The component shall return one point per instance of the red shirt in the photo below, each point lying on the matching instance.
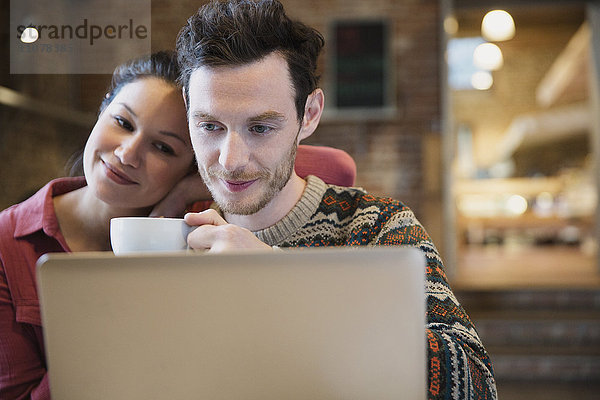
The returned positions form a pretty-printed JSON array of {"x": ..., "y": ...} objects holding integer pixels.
[{"x": 27, "y": 230}]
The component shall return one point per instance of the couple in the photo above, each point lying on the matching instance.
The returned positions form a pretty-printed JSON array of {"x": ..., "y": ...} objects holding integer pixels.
[{"x": 250, "y": 92}]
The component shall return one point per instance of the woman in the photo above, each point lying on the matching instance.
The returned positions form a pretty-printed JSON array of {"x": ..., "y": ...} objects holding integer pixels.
[
  {"x": 137, "y": 155},
  {"x": 137, "y": 151}
]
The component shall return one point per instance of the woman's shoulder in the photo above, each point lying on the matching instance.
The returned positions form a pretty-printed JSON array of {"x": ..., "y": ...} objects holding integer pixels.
[{"x": 32, "y": 208}]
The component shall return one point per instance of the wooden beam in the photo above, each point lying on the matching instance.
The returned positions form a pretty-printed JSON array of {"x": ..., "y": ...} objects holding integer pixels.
[
  {"x": 568, "y": 72},
  {"x": 12, "y": 98},
  {"x": 543, "y": 127}
]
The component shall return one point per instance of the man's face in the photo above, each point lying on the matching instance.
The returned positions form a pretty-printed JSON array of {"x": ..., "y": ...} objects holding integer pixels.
[{"x": 244, "y": 130}]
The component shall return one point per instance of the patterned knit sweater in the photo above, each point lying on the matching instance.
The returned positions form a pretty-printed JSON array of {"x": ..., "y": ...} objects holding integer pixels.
[{"x": 327, "y": 215}]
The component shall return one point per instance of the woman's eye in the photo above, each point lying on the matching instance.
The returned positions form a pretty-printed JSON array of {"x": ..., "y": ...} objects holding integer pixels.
[
  {"x": 165, "y": 148},
  {"x": 261, "y": 129},
  {"x": 123, "y": 123}
]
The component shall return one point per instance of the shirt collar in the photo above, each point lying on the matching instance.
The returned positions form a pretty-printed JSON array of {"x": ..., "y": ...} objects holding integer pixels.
[{"x": 37, "y": 212}]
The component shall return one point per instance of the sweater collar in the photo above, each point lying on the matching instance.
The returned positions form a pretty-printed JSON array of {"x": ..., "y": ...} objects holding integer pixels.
[{"x": 298, "y": 216}]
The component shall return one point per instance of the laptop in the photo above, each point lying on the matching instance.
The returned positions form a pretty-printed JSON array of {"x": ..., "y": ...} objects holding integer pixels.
[{"x": 329, "y": 323}]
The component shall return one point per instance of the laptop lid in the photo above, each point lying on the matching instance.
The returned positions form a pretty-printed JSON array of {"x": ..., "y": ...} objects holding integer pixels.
[{"x": 335, "y": 323}]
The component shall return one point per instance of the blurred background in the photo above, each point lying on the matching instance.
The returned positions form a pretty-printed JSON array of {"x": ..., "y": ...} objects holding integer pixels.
[{"x": 489, "y": 132}]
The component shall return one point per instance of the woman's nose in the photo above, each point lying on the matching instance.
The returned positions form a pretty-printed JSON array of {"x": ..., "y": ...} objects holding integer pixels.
[
  {"x": 129, "y": 151},
  {"x": 234, "y": 152}
]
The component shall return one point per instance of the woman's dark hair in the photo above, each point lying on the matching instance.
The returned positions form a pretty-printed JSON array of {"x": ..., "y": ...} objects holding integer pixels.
[
  {"x": 237, "y": 32},
  {"x": 162, "y": 65}
]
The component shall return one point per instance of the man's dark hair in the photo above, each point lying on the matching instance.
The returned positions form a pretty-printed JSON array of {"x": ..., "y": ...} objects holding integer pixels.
[{"x": 237, "y": 32}]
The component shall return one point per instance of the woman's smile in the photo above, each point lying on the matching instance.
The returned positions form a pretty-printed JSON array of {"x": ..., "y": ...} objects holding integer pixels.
[{"x": 116, "y": 175}]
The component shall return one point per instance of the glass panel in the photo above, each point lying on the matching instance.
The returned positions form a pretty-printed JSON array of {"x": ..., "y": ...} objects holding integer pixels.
[{"x": 524, "y": 191}]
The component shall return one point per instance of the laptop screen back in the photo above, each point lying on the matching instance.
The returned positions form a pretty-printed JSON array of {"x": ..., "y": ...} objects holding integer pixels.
[{"x": 344, "y": 323}]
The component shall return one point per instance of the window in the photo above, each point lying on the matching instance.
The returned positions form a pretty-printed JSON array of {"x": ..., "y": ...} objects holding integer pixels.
[{"x": 361, "y": 65}]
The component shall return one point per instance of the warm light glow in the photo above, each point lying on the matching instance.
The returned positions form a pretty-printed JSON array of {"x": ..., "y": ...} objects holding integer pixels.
[
  {"x": 545, "y": 199},
  {"x": 477, "y": 205},
  {"x": 498, "y": 25},
  {"x": 482, "y": 80},
  {"x": 544, "y": 202},
  {"x": 488, "y": 56},
  {"x": 491, "y": 205},
  {"x": 516, "y": 205},
  {"x": 29, "y": 35},
  {"x": 450, "y": 25}
]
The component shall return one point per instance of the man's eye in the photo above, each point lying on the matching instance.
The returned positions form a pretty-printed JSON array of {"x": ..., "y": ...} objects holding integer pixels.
[
  {"x": 261, "y": 129},
  {"x": 123, "y": 123},
  {"x": 207, "y": 126}
]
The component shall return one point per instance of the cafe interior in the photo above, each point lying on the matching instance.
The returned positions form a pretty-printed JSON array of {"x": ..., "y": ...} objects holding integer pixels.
[{"x": 480, "y": 115}]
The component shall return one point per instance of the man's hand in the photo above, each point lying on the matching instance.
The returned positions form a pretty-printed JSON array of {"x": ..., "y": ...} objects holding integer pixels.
[
  {"x": 187, "y": 191},
  {"x": 217, "y": 235}
]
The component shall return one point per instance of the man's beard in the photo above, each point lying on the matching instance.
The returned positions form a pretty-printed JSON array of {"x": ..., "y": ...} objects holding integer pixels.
[{"x": 275, "y": 180}]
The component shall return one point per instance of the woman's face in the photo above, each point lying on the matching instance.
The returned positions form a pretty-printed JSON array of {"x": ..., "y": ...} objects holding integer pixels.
[{"x": 140, "y": 146}]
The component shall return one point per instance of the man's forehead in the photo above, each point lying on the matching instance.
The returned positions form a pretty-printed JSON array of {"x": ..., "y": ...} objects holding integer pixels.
[
  {"x": 249, "y": 89},
  {"x": 271, "y": 69}
]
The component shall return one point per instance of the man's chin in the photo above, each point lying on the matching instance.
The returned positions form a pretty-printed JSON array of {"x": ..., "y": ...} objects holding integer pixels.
[
  {"x": 241, "y": 207},
  {"x": 238, "y": 209}
]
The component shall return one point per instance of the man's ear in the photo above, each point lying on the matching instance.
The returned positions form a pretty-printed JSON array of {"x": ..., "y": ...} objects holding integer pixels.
[{"x": 312, "y": 113}]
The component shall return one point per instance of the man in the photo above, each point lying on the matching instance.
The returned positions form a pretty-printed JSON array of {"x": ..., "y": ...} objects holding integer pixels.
[{"x": 250, "y": 85}]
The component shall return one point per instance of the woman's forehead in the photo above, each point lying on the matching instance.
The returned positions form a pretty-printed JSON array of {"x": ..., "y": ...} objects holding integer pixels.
[{"x": 141, "y": 87}]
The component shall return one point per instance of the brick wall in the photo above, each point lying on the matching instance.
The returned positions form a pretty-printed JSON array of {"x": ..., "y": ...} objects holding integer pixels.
[{"x": 388, "y": 151}]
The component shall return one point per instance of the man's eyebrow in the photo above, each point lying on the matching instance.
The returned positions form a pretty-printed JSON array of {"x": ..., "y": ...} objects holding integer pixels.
[
  {"x": 203, "y": 116},
  {"x": 269, "y": 116},
  {"x": 128, "y": 109}
]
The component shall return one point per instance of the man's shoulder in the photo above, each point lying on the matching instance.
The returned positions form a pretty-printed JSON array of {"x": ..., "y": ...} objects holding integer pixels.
[
  {"x": 357, "y": 199},
  {"x": 351, "y": 216}
]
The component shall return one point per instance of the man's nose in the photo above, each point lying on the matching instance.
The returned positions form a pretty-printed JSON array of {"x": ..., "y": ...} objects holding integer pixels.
[{"x": 234, "y": 152}]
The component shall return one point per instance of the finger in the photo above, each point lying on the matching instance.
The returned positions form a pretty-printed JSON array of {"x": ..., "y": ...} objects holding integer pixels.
[
  {"x": 202, "y": 238},
  {"x": 210, "y": 217}
]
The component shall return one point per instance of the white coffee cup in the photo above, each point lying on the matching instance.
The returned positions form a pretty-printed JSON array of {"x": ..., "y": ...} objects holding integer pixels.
[{"x": 144, "y": 234}]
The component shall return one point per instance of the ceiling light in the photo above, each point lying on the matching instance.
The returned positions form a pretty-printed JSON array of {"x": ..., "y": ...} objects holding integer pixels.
[
  {"x": 451, "y": 25},
  {"x": 482, "y": 80},
  {"x": 488, "y": 56},
  {"x": 498, "y": 25}
]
